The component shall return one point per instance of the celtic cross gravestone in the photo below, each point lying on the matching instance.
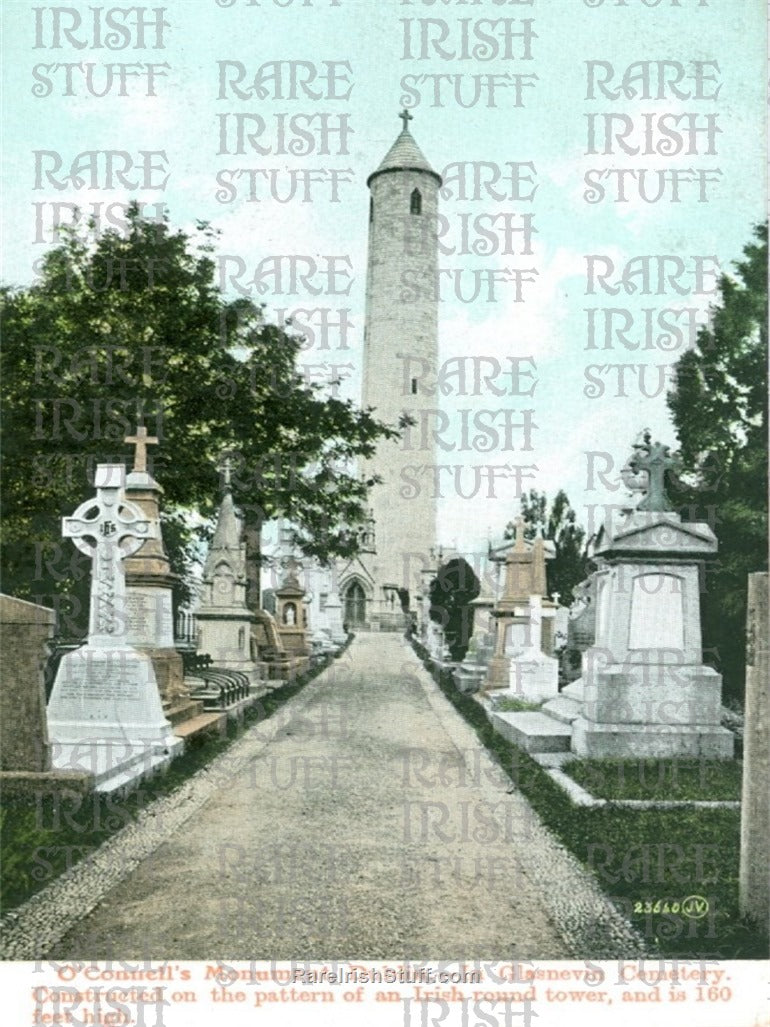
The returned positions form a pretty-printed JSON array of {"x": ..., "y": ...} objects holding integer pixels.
[{"x": 105, "y": 714}]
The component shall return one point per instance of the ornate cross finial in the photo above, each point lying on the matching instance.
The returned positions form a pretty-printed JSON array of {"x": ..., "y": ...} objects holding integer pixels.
[
  {"x": 406, "y": 117},
  {"x": 225, "y": 468},
  {"x": 656, "y": 459},
  {"x": 140, "y": 442}
]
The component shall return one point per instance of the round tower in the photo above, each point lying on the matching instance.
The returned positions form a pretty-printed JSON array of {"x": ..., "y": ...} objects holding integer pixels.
[{"x": 400, "y": 358}]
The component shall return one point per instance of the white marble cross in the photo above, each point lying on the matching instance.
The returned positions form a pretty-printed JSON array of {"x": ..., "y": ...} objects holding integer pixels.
[{"x": 118, "y": 529}]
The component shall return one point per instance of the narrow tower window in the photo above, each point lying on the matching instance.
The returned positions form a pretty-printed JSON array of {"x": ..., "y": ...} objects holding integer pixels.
[
  {"x": 371, "y": 209},
  {"x": 415, "y": 202},
  {"x": 414, "y": 386}
]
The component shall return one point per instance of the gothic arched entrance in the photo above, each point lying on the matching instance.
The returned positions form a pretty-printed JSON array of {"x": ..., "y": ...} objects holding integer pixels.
[{"x": 355, "y": 605}]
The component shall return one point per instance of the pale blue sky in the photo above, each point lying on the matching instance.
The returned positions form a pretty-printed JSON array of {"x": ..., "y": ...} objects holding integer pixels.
[{"x": 550, "y": 131}]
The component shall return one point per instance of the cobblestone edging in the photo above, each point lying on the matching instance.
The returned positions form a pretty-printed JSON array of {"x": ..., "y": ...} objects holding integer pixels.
[{"x": 32, "y": 930}]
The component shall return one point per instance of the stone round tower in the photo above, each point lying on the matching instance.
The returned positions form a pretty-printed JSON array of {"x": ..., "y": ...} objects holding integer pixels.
[{"x": 400, "y": 357}]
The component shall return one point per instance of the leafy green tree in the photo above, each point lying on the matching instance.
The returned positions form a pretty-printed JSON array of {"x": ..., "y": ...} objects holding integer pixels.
[
  {"x": 451, "y": 593},
  {"x": 557, "y": 522},
  {"x": 132, "y": 328},
  {"x": 719, "y": 406}
]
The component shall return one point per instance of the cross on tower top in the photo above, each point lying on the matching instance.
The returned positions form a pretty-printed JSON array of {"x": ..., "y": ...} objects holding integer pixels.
[
  {"x": 656, "y": 459},
  {"x": 406, "y": 117},
  {"x": 140, "y": 442}
]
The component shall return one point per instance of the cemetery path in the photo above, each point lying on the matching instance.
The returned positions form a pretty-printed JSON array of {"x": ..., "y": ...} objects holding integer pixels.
[{"x": 372, "y": 825}]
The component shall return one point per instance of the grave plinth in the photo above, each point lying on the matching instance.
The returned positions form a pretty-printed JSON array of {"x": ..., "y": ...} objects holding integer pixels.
[
  {"x": 646, "y": 691},
  {"x": 25, "y": 629},
  {"x": 533, "y": 674},
  {"x": 227, "y": 628},
  {"x": 525, "y": 579},
  {"x": 105, "y": 715},
  {"x": 291, "y": 615},
  {"x": 334, "y": 623},
  {"x": 149, "y": 585}
]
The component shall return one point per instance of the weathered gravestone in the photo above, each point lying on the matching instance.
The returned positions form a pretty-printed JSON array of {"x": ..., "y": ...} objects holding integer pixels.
[
  {"x": 755, "y": 808},
  {"x": 333, "y": 613},
  {"x": 291, "y": 616},
  {"x": 522, "y": 663},
  {"x": 646, "y": 691},
  {"x": 226, "y": 625},
  {"x": 25, "y": 630},
  {"x": 149, "y": 587},
  {"x": 105, "y": 714},
  {"x": 25, "y": 751}
]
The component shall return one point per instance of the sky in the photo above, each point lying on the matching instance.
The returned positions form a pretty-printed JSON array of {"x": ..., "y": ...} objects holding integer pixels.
[{"x": 699, "y": 66}]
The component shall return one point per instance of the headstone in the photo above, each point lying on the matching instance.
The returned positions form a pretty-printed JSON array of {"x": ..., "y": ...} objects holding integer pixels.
[
  {"x": 533, "y": 675},
  {"x": 290, "y": 613},
  {"x": 434, "y": 640},
  {"x": 518, "y": 622},
  {"x": 25, "y": 751},
  {"x": 334, "y": 619},
  {"x": 26, "y": 630},
  {"x": 275, "y": 662},
  {"x": 646, "y": 691},
  {"x": 149, "y": 586},
  {"x": 754, "y": 878},
  {"x": 471, "y": 673},
  {"x": 226, "y": 625},
  {"x": 581, "y": 628},
  {"x": 105, "y": 714}
]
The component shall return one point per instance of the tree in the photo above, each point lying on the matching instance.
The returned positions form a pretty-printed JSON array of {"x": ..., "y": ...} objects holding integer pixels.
[
  {"x": 132, "y": 327},
  {"x": 570, "y": 565},
  {"x": 451, "y": 593},
  {"x": 719, "y": 406}
]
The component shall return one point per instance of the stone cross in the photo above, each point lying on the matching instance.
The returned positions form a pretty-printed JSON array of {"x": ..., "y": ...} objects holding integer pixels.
[
  {"x": 140, "y": 442},
  {"x": 656, "y": 460},
  {"x": 118, "y": 529},
  {"x": 406, "y": 117},
  {"x": 226, "y": 470}
]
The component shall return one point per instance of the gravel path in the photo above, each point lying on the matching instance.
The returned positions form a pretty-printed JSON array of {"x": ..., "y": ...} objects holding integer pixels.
[{"x": 362, "y": 821}]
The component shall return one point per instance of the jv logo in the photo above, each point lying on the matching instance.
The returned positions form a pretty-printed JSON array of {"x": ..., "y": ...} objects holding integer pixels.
[{"x": 695, "y": 907}]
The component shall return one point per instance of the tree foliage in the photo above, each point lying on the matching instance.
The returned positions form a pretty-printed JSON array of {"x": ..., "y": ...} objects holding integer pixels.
[
  {"x": 132, "y": 327},
  {"x": 719, "y": 406},
  {"x": 557, "y": 522},
  {"x": 451, "y": 593}
]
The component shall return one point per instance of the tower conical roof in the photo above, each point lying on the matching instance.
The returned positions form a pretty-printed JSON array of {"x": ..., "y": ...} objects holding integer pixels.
[{"x": 404, "y": 154}]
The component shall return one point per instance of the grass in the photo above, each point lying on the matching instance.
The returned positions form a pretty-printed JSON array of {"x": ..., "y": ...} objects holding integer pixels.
[
  {"x": 659, "y": 779},
  {"x": 646, "y": 861},
  {"x": 509, "y": 704},
  {"x": 44, "y": 836}
]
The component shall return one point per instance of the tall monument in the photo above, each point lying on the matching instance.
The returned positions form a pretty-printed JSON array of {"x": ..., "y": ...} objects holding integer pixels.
[{"x": 400, "y": 359}]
